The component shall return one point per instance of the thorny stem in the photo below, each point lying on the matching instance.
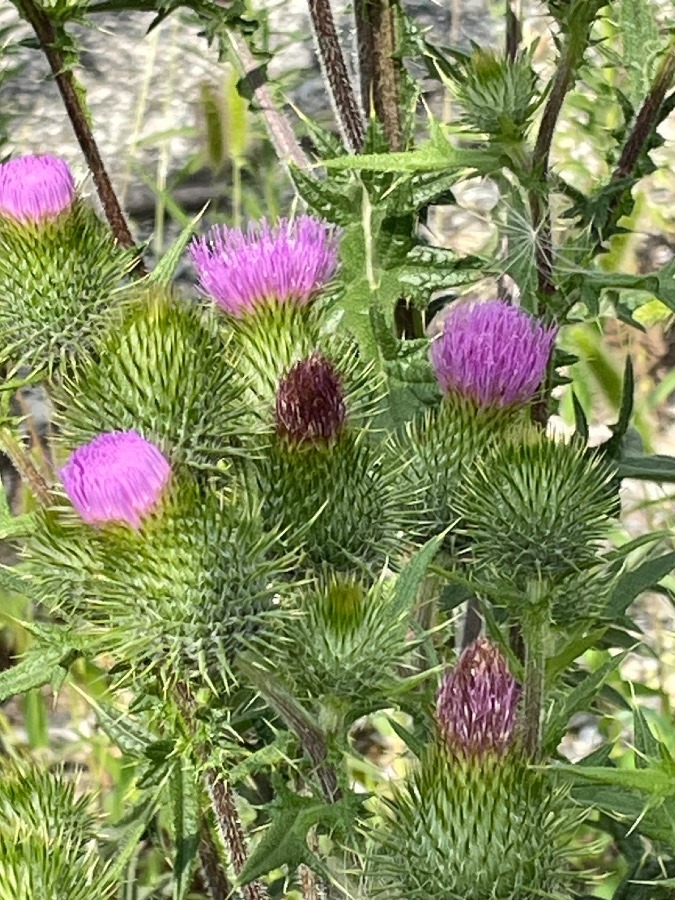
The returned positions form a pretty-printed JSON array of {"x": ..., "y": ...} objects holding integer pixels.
[
  {"x": 380, "y": 69},
  {"x": 336, "y": 74},
  {"x": 215, "y": 878},
  {"x": 572, "y": 55},
  {"x": 280, "y": 132},
  {"x": 223, "y": 805},
  {"x": 227, "y": 817},
  {"x": 514, "y": 32},
  {"x": 65, "y": 81},
  {"x": 647, "y": 119},
  {"x": 24, "y": 465}
]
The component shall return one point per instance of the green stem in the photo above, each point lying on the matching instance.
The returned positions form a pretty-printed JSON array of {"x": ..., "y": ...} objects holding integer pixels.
[{"x": 535, "y": 625}]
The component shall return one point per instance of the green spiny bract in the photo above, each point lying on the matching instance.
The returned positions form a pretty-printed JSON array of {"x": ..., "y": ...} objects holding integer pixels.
[
  {"x": 59, "y": 282},
  {"x": 270, "y": 341},
  {"x": 442, "y": 446},
  {"x": 341, "y": 502},
  {"x": 469, "y": 828},
  {"x": 48, "y": 840},
  {"x": 167, "y": 371},
  {"x": 179, "y": 597},
  {"x": 348, "y": 643},
  {"x": 498, "y": 96},
  {"x": 535, "y": 508}
]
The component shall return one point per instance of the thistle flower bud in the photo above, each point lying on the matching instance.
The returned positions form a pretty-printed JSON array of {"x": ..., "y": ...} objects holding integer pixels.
[
  {"x": 350, "y": 642},
  {"x": 310, "y": 405},
  {"x": 167, "y": 370},
  {"x": 60, "y": 266},
  {"x": 35, "y": 188},
  {"x": 493, "y": 354},
  {"x": 536, "y": 509},
  {"x": 477, "y": 702},
  {"x": 118, "y": 477},
  {"x": 267, "y": 265}
]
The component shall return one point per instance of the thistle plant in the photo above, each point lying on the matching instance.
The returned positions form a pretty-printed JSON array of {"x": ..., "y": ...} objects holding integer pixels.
[{"x": 273, "y": 501}]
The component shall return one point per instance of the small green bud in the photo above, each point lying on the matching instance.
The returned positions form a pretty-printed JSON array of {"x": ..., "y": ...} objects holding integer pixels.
[
  {"x": 498, "y": 96},
  {"x": 346, "y": 643}
]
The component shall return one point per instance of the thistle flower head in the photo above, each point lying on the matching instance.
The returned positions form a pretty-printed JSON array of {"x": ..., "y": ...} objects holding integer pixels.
[
  {"x": 287, "y": 263},
  {"x": 492, "y": 353},
  {"x": 117, "y": 477},
  {"x": 35, "y": 188},
  {"x": 477, "y": 701},
  {"x": 310, "y": 405}
]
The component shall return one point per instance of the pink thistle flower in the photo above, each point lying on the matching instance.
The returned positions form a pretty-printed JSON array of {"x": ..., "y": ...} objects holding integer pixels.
[
  {"x": 117, "y": 477},
  {"x": 35, "y": 188},
  {"x": 310, "y": 405},
  {"x": 492, "y": 353},
  {"x": 286, "y": 263},
  {"x": 477, "y": 701}
]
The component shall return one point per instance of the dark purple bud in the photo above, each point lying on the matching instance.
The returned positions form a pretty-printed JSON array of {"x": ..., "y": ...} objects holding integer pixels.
[
  {"x": 310, "y": 405},
  {"x": 477, "y": 701}
]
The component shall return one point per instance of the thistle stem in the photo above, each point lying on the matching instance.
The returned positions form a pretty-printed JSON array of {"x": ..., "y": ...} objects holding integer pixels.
[
  {"x": 65, "y": 81},
  {"x": 216, "y": 880},
  {"x": 336, "y": 74},
  {"x": 514, "y": 31},
  {"x": 222, "y": 802},
  {"x": 279, "y": 130},
  {"x": 229, "y": 824},
  {"x": 564, "y": 79},
  {"x": 645, "y": 122},
  {"x": 535, "y": 624},
  {"x": 380, "y": 69}
]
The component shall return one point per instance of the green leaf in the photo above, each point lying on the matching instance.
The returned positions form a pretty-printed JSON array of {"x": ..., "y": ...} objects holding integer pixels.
[
  {"x": 429, "y": 269},
  {"x": 325, "y": 198},
  {"x": 646, "y": 745},
  {"x": 185, "y": 806},
  {"x": 579, "y": 698},
  {"x": 285, "y": 840},
  {"x": 39, "y": 666},
  {"x": 410, "y": 580},
  {"x": 435, "y": 155},
  {"x": 130, "y": 737},
  {"x": 165, "y": 269},
  {"x": 654, "y": 781},
  {"x": 633, "y": 583},
  {"x": 640, "y": 39},
  {"x": 648, "y": 468}
]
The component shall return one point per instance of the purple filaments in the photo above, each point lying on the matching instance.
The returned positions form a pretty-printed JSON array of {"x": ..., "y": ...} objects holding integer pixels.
[
  {"x": 310, "y": 404},
  {"x": 288, "y": 263},
  {"x": 477, "y": 702},
  {"x": 35, "y": 188},
  {"x": 117, "y": 477},
  {"x": 492, "y": 353}
]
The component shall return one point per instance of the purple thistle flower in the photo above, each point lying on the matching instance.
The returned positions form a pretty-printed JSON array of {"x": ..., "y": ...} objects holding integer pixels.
[
  {"x": 117, "y": 477},
  {"x": 286, "y": 263},
  {"x": 35, "y": 188},
  {"x": 492, "y": 353},
  {"x": 477, "y": 701},
  {"x": 310, "y": 405}
]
